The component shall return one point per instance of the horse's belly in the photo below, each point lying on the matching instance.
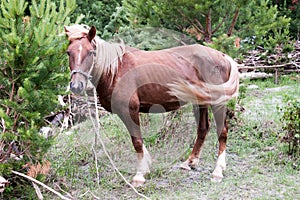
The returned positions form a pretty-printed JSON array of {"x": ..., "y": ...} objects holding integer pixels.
[
  {"x": 160, "y": 108},
  {"x": 155, "y": 98}
]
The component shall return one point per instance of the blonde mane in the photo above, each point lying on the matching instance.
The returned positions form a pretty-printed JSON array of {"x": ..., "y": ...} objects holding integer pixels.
[{"x": 107, "y": 56}]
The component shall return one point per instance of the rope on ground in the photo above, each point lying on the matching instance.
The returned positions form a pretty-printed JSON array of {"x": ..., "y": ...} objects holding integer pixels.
[{"x": 96, "y": 127}]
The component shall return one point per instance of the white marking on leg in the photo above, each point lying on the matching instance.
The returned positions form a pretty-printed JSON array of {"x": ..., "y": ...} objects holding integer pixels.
[
  {"x": 186, "y": 165},
  {"x": 143, "y": 167},
  {"x": 220, "y": 167},
  {"x": 145, "y": 162},
  {"x": 191, "y": 162},
  {"x": 222, "y": 160}
]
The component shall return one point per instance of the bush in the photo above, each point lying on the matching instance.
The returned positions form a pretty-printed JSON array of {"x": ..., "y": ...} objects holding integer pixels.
[
  {"x": 32, "y": 65},
  {"x": 291, "y": 120},
  {"x": 227, "y": 45},
  {"x": 102, "y": 14}
]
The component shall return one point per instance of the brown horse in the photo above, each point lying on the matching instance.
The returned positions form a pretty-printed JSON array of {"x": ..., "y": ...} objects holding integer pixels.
[{"x": 129, "y": 81}]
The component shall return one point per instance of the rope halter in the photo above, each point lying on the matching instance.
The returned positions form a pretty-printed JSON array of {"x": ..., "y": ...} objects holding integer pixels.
[{"x": 88, "y": 75}]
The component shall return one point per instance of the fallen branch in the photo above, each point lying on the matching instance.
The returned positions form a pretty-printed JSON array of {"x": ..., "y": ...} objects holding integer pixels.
[
  {"x": 241, "y": 67},
  {"x": 38, "y": 191},
  {"x": 254, "y": 75},
  {"x": 41, "y": 184}
]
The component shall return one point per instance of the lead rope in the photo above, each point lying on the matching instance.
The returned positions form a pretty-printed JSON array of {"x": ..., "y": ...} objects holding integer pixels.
[{"x": 97, "y": 127}]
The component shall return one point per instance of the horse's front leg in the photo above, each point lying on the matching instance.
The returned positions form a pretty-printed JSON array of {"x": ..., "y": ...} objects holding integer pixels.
[
  {"x": 143, "y": 161},
  {"x": 131, "y": 121}
]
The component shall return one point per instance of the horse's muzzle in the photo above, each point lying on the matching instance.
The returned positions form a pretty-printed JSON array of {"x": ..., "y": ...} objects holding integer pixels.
[{"x": 77, "y": 87}]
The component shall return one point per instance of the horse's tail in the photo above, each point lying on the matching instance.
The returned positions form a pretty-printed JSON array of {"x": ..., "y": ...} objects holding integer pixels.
[{"x": 203, "y": 93}]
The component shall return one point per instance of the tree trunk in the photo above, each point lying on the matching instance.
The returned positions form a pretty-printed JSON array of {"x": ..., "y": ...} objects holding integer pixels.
[
  {"x": 236, "y": 14},
  {"x": 208, "y": 32}
]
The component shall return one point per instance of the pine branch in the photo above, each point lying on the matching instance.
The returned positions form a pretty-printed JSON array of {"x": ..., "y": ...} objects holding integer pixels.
[
  {"x": 219, "y": 25},
  {"x": 200, "y": 25},
  {"x": 200, "y": 29}
]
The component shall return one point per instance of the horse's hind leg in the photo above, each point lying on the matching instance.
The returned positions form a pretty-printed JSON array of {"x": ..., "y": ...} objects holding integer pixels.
[
  {"x": 222, "y": 130},
  {"x": 201, "y": 115}
]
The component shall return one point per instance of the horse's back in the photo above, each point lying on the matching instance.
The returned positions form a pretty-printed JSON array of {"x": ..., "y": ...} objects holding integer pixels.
[
  {"x": 211, "y": 65},
  {"x": 191, "y": 61}
]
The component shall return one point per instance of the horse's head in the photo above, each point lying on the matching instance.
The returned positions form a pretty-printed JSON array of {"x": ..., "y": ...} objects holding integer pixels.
[{"x": 81, "y": 52}]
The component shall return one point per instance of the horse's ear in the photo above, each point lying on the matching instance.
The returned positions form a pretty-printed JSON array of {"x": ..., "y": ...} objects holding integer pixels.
[
  {"x": 92, "y": 33},
  {"x": 66, "y": 28}
]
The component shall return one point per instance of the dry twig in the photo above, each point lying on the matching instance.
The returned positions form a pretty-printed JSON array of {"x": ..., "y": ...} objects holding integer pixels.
[{"x": 41, "y": 184}]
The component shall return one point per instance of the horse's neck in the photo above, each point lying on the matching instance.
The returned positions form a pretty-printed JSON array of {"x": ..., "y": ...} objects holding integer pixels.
[
  {"x": 104, "y": 91},
  {"x": 105, "y": 83}
]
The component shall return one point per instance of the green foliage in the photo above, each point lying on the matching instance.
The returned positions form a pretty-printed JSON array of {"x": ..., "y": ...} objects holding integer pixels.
[
  {"x": 258, "y": 23},
  {"x": 178, "y": 14},
  {"x": 105, "y": 15},
  {"x": 149, "y": 38},
  {"x": 32, "y": 65},
  {"x": 226, "y": 44},
  {"x": 118, "y": 22},
  {"x": 291, "y": 121},
  {"x": 290, "y": 9}
]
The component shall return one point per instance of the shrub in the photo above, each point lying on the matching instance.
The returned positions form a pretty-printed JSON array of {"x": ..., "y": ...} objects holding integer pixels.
[
  {"x": 291, "y": 121},
  {"x": 31, "y": 75},
  {"x": 102, "y": 14},
  {"x": 227, "y": 45}
]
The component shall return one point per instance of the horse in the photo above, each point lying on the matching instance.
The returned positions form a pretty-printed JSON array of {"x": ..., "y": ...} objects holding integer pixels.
[{"x": 129, "y": 81}]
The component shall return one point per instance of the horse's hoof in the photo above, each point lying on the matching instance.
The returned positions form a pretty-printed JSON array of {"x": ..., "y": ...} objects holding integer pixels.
[
  {"x": 195, "y": 162},
  {"x": 138, "y": 180},
  {"x": 137, "y": 184},
  {"x": 217, "y": 175},
  {"x": 216, "y": 179},
  {"x": 185, "y": 165}
]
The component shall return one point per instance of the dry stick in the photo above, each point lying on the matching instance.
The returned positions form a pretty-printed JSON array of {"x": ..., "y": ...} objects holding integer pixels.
[
  {"x": 38, "y": 191},
  {"x": 95, "y": 197},
  {"x": 96, "y": 127},
  {"x": 67, "y": 193},
  {"x": 40, "y": 183}
]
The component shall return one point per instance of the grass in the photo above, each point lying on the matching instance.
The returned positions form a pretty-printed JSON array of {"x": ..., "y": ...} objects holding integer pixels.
[{"x": 257, "y": 165}]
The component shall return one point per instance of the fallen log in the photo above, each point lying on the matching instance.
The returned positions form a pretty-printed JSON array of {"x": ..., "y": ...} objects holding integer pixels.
[
  {"x": 254, "y": 75},
  {"x": 291, "y": 65}
]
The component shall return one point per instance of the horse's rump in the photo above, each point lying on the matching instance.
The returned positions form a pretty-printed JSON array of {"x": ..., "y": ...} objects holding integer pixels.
[{"x": 218, "y": 77}]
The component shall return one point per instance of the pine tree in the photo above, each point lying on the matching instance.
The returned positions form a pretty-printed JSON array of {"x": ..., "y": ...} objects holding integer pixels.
[
  {"x": 202, "y": 17},
  {"x": 208, "y": 20},
  {"x": 32, "y": 66},
  {"x": 98, "y": 13}
]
